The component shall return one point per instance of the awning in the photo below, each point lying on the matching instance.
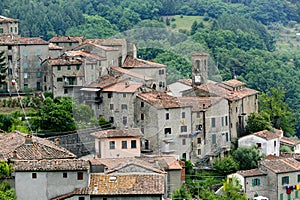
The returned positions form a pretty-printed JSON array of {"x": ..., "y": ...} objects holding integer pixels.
[{"x": 90, "y": 89}]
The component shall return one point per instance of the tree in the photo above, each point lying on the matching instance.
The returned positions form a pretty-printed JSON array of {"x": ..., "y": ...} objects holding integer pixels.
[
  {"x": 232, "y": 190},
  {"x": 258, "y": 122},
  {"x": 6, "y": 191},
  {"x": 3, "y": 66},
  {"x": 194, "y": 27},
  {"x": 181, "y": 193},
  {"x": 247, "y": 157},
  {"x": 226, "y": 165}
]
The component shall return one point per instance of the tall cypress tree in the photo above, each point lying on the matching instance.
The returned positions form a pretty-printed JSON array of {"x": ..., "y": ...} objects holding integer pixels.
[{"x": 3, "y": 66}]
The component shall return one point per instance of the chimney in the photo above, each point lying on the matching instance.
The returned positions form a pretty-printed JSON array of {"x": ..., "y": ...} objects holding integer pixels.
[
  {"x": 15, "y": 155},
  {"x": 28, "y": 139}
]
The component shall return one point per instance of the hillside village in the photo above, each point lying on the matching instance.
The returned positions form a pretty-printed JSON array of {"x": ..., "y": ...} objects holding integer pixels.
[{"x": 153, "y": 124}]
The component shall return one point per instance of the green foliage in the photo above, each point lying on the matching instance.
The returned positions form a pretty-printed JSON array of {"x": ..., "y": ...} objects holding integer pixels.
[
  {"x": 232, "y": 190},
  {"x": 5, "y": 169},
  {"x": 285, "y": 149},
  {"x": 6, "y": 191},
  {"x": 247, "y": 157},
  {"x": 6, "y": 121},
  {"x": 181, "y": 193},
  {"x": 279, "y": 111},
  {"x": 226, "y": 165},
  {"x": 83, "y": 113},
  {"x": 258, "y": 122},
  {"x": 102, "y": 121}
]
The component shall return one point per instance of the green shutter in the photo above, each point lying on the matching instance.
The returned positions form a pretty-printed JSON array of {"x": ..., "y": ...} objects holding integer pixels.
[
  {"x": 298, "y": 178},
  {"x": 258, "y": 182},
  {"x": 252, "y": 182},
  {"x": 289, "y": 196},
  {"x": 281, "y": 196},
  {"x": 296, "y": 194},
  {"x": 282, "y": 180},
  {"x": 288, "y": 180}
]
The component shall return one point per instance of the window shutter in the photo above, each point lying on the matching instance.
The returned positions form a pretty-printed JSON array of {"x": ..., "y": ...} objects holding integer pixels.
[
  {"x": 282, "y": 180},
  {"x": 252, "y": 182},
  {"x": 288, "y": 180},
  {"x": 258, "y": 182}
]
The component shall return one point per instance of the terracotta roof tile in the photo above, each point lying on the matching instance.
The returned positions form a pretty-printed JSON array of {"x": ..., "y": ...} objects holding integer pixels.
[
  {"x": 84, "y": 54},
  {"x": 268, "y": 135},
  {"x": 64, "y": 62},
  {"x": 160, "y": 99},
  {"x": 13, "y": 146},
  {"x": 103, "y": 81},
  {"x": 164, "y": 162},
  {"x": 289, "y": 141},
  {"x": 233, "y": 83},
  {"x": 66, "y": 39},
  {"x": 6, "y": 19},
  {"x": 94, "y": 44},
  {"x": 199, "y": 103},
  {"x": 126, "y": 184},
  {"x": 107, "y": 42},
  {"x": 281, "y": 165},
  {"x": 251, "y": 172},
  {"x": 116, "y": 133},
  {"x": 130, "y": 73},
  {"x": 34, "y": 41},
  {"x": 134, "y": 62},
  {"x": 187, "y": 81},
  {"x": 9, "y": 39},
  {"x": 51, "y": 165},
  {"x": 124, "y": 87},
  {"x": 54, "y": 47}
]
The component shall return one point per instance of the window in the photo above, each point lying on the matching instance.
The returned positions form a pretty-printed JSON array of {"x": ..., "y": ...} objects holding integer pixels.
[
  {"x": 142, "y": 104},
  {"x": 124, "y": 144},
  {"x": 124, "y": 95},
  {"x": 25, "y": 53},
  {"x": 227, "y": 136},
  {"x": 69, "y": 67},
  {"x": 161, "y": 71},
  {"x": 198, "y": 114},
  {"x": 226, "y": 120},
  {"x": 25, "y": 75},
  {"x": 183, "y": 141},
  {"x": 198, "y": 127},
  {"x": 38, "y": 75},
  {"x": 112, "y": 145},
  {"x": 16, "y": 29},
  {"x": 11, "y": 29},
  {"x": 142, "y": 116},
  {"x": 38, "y": 86},
  {"x": 256, "y": 182},
  {"x": 124, "y": 106},
  {"x": 38, "y": 52},
  {"x": 183, "y": 129},
  {"x": 167, "y": 130},
  {"x": 79, "y": 175},
  {"x": 111, "y": 106},
  {"x": 25, "y": 65},
  {"x": 285, "y": 180},
  {"x": 111, "y": 119},
  {"x": 124, "y": 120},
  {"x": 199, "y": 151},
  {"x": 258, "y": 145},
  {"x": 59, "y": 79},
  {"x": 34, "y": 175},
  {"x": 65, "y": 175},
  {"x": 109, "y": 95},
  {"x": 167, "y": 116},
  {"x": 133, "y": 144},
  {"x": 274, "y": 143},
  {"x": 298, "y": 178},
  {"x": 58, "y": 68},
  {"x": 142, "y": 130},
  {"x": 213, "y": 122},
  {"x": 198, "y": 140},
  {"x": 77, "y": 67},
  {"x": 296, "y": 194},
  {"x": 183, "y": 115},
  {"x": 80, "y": 198},
  {"x": 9, "y": 58},
  {"x": 213, "y": 138},
  {"x": 45, "y": 78},
  {"x": 1, "y": 30}
]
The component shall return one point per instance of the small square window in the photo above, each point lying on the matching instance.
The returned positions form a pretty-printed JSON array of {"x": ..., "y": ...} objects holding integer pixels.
[
  {"x": 34, "y": 175},
  {"x": 124, "y": 144},
  {"x": 183, "y": 141},
  {"x": 199, "y": 151},
  {"x": 65, "y": 91},
  {"x": 198, "y": 114},
  {"x": 65, "y": 175},
  {"x": 109, "y": 95},
  {"x": 213, "y": 122},
  {"x": 142, "y": 104},
  {"x": 198, "y": 140},
  {"x": 183, "y": 129},
  {"x": 69, "y": 67},
  {"x": 168, "y": 130},
  {"x": 111, "y": 106},
  {"x": 77, "y": 67},
  {"x": 167, "y": 116},
  {"x": 112, "y": 144},
  {"x": 213, "y": 139},
  {"x": 58, "y": 68},
  {"x": 81, "y": 198},
  {"x": 124, "y": 120},
  {"x": 183, "y": 115},
  {"x": 142, "y": 116},
  {"x": 79, "y": 175},
  {"x": 133, "y": 144},
  {"x": 124, "y": 95},
  {"x": 124, "y": 106}
]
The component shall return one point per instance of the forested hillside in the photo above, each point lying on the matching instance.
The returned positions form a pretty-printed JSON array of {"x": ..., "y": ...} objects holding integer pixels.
[{"x": 241, "y": 37}]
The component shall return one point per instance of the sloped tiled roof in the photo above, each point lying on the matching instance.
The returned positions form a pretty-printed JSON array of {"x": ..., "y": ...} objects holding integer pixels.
[
  {"x": 116, "y": 133},
  {"x": 123, "y": 87},
  {"x": 233, "y": 83},
  {"x": 66, "y": 39},
  {"x": 6, "y": 19},
  {"x": 103, "y": 81},
  {"x": 51, "y": 165},
  {"x": 268, "y": 135},
  {"x": 64, "y": 62},
  {"x": 134, "y": 62},
  {"x": 289, "y": 141},
  {"x": 84, "y": 54},
  {"x": 130, "y": 73},
  {"x": 54, "y": 47},
  {"x": 126, "y": 184},
  {"x": 199, "y": 103},
  {"x": 12, "y": 146},
  {"x": 251, "y": 172},
  {"x": 281, "y": 165},
  {"x": 160, "y": 99},
  {"x": 8, "y": 39}
]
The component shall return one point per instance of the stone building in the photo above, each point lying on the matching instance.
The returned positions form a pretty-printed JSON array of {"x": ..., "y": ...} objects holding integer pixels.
[
  {"x": 267, "y": 142},
  {"x": 67, "y": 42},
  {"x": 164, "y": 122},
  {"x": 210, "y": 127},
  {"x": 275, "y": 178},
  {"x": 9, "y": 25}
]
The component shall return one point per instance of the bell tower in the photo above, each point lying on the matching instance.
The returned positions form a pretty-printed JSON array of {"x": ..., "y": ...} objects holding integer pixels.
[{"x": 199, "y": 68}]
